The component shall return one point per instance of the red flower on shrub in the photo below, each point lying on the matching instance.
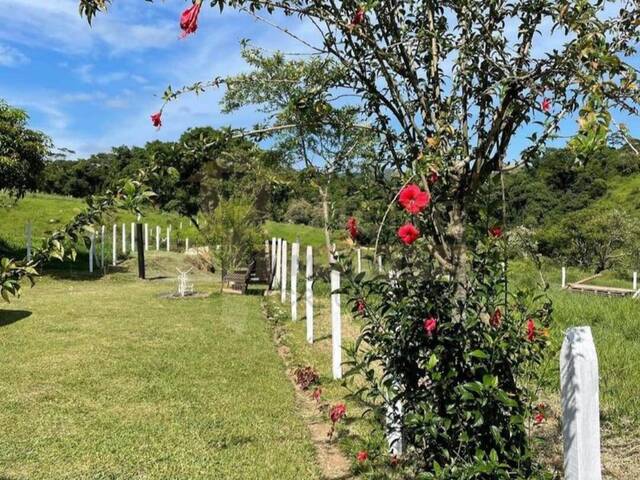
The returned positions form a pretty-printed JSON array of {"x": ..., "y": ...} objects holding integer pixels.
[
  {"x": 358, "y": 17},
  {"x": 414, "y": 200},
  {"x": 316, "y": 394},
  {"x": 156, "y": 119},
  {"x": 408, "y": 233},
  {"x": 531, "y": 330},
  {"x": 496, "y": 318},
  {"x": 546, "y": 105},
  {"x": 539, "y": 418},
  {"x": 362, "y": 456},
  {"x": 337, "y": 412},
  {"x": 361, "y": 306},
  {"x": 189, "y": 19},
  {"x": 430, "y": 325},
  {"x": 495, "y": 231},
  {"x": 352, "y": 227}
]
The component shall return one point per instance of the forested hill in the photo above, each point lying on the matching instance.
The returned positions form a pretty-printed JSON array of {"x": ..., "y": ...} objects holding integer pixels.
[{"x": 568, "y": 204}]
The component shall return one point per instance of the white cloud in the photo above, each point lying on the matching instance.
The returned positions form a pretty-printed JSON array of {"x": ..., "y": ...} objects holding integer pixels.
[{"x": 11, "y": 57}]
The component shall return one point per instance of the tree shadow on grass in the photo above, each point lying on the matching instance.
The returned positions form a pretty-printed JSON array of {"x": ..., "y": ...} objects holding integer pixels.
[{"x": 7, "y": 317}]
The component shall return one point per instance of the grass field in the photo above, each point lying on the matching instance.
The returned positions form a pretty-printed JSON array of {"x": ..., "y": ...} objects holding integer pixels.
[{"x": 102, "y": 379}]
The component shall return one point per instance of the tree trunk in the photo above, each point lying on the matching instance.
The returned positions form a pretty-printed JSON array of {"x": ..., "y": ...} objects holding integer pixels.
[{"x": 324, "y": 195}]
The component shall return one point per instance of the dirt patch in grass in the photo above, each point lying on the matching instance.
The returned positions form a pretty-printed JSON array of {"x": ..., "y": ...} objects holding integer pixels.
[{"x": 332, "y": 462}]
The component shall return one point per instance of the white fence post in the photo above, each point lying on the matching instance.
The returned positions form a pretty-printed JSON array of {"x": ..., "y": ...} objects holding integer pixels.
[
  {"x": 394, "y": 428},
  {"x": 274, "y": 246},
  {"x": 564, "y": 277},
  {"x": 283, "y": 274},
  {"x": 133, "y": 237},
  {"x": 186, "y": 246},
  {"x": 168, "y": 239},
  {"x": 102, "y": 229},
  {"x": 309, "y": 296},
  {"x": 92, "y": 249},
  {"x": 580, "y": 405},
  {"x": 359, "y": 253},
  {"x": 276, "y": 279},
  {"x": 146, "y": 237},
  {"x": 295, "y": 258},
  {"x": 336, "y": 325},
  {"x": 380, "y": 263},
  {"x": 114, "y": 246},
  {"x": 28, "y": 231},
  {"x": 124, "y": 238},
  {"x": 158, "y": 237},
  {"x": 635, "y": 280}
]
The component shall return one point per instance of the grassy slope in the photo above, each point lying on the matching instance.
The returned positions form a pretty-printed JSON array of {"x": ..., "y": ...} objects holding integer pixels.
[
  {"x": 51, "y": 212},
  {"x": 104, "y": 379}
]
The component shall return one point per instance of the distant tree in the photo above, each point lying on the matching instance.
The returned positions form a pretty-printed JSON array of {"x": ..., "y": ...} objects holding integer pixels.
[{"x": 22, "y": 151}]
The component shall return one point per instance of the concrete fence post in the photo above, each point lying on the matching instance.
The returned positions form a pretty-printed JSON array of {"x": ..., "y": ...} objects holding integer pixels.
[
  {"x": 635, "y": 280},
  {"x": 336, "y": 326},
  {"x": 283, "y": 274},
  {"x": 564, "y": 277},
  {"x": 309, "y": 294},
  {"x": 92, "y": 250},
  {"x": 114, "y": 246},
  {"x": 133, "y": 237},
  {"x": 295, "y": 262},
  {"x": 359, "y": 255},
  {"x": 579, "y": 393}
]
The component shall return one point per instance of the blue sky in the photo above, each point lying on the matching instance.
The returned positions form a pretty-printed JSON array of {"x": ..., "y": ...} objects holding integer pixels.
[{"x": 94, "y": 88}]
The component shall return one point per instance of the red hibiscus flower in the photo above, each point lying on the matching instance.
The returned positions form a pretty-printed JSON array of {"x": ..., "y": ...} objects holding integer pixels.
[
  {"x": 361, "y": 307},
  {"x": 189, "y": 19},
  {"x": 352, "y": 228},
  {"x": 358, "y": 17},
  {"x": 337, "y": 412},
  {"x": 495, "y": 231},
  {"x": 408, "y": 233},
  {"x": 316, "y": 394},
  {"x": 539, "y": 418},
  {"x": 496, "y": 318},
  {"x": 414, "y": 200},
  {"x": 156, "y": 119},
  {"x": 362, "y": 456},
  {"x": 430, "y": 325},
  {"x": 546, "y": 105},
  {"x": 531, "y": 330}
]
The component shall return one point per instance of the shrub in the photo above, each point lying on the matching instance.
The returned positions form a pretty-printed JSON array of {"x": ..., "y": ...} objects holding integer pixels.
[
  {"x": 303, "y": 213},
  {"x": 306, "y": 376}
]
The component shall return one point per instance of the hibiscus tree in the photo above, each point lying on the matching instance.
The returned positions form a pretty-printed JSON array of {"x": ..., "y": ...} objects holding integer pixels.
[{"x": 447, "y": 86}]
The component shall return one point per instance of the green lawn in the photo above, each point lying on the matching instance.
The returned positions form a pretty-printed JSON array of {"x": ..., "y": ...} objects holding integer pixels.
[{"x": 102, "y": 379}]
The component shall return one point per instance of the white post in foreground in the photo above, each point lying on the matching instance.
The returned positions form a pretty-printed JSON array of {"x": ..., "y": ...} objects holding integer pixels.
[
  {"x": 295, "y": 262},
  {"x": 124, "y": 238},
  {"x": 309, "y": 295},
  {"x": 580, "y": 405},
  {"x": 359, "y": 253},
  {"x": 133, "y": 237},
  {"x": 158, "y": 235},
  {"x": 274, "y": 245},
  {"x": 336, "y": 325},
  {"x": 28, "y": 231},
  {"x": 394, "y": 428},
  {"x": 283, "y": 273},
  {"x": 564, "y": 277},
  {"x": 92, "y": 251},
  {"x": 146, "y": 237},
  {"x": 380, "y": 263},
  {"x": 114, "y": 246},
  {"x": 635, "y": 280},
  {"x": 186, "y": 245},
  {"x": 168, "y": 239}
]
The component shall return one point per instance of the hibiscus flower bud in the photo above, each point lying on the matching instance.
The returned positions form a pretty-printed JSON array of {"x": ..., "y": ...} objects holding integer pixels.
[
  {"x": 358, "y": 17},
  {"x": 362, "y": 456},
  {"x": 408, "y": 233},
  {"x": 430, "y": 325},
  {"x": 545, "y": 105},
  {"x": 337, "y": 412},
  {"x": 496, "y": 318},
  {"x": 414, "y": 200},
  {"x": 361, "y": 307},
  {"x": 189, "y": 19},
  {"x": 352, "y": 228},
  {"x": 495, "y": 231},
  {"x": 531, "y": 330},
  {"x": 156, "y": 119}
]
